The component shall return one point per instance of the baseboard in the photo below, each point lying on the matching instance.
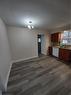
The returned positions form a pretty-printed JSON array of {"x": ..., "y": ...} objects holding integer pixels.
[
  {"x": 15, "y": 61},
  {"x": 8, "y": 76}
]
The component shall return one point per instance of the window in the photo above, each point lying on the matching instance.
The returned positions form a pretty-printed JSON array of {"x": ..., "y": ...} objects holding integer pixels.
[
  {"x": 65, "y": 34},
  {"x": 64, "y": 41},
  {"x": 66, "y": 37}
]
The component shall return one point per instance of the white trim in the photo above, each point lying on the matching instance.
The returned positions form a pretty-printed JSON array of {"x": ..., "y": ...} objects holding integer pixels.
[
  {"x": 15, "y": 61},
  {"x": 8, "y": 76}
]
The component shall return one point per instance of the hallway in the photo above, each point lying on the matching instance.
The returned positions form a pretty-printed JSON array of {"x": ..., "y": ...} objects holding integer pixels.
[{"x": 40, "y": 76}]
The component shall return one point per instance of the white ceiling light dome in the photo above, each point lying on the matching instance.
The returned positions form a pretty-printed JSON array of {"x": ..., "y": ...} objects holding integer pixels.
[{"x": 30, "y": 27}]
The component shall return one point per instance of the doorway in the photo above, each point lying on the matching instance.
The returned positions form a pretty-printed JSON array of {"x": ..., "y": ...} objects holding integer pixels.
[{"x": 41, "y": 44}]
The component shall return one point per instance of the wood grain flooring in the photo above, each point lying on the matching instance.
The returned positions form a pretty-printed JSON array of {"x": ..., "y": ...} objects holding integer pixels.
[{"x": 40, "y": 76}]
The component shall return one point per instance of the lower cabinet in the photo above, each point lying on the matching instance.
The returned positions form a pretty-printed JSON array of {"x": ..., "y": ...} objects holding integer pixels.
[
  {"x": 65, "y": 54},
  {"x": 50, "y": 50},
  {"x": 61, "y": 53}
]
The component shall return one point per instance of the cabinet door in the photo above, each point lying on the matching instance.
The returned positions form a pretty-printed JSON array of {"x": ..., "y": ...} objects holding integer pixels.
[
  {"x": 64, "y": 54},
  {"x": 55, "y": 37},
  {"x": 50, "y": 50},
  {"x": 70, "y": 56},
  {"x": 60, "y": 54},
  {"x": 52, "y": 37}
]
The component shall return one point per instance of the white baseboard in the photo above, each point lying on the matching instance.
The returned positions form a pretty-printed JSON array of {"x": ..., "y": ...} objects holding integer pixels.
[
  {"x": 8, "y": 76},
  {"x": 15, "y": 61}
]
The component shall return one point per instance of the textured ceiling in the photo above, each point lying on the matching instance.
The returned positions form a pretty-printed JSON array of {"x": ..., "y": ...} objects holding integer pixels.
[{"x": 46, "y": 14}]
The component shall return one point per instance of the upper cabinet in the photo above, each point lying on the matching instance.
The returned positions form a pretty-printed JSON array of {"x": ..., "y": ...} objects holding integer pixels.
[{"x": 55, "y": 37}]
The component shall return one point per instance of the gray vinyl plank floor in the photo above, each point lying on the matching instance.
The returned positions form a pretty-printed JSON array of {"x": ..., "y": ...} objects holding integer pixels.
[{"x": 40, "y": 76}]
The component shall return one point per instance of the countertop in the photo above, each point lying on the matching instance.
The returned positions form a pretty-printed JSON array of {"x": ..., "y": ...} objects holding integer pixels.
[{"x": 69, "y": 48}]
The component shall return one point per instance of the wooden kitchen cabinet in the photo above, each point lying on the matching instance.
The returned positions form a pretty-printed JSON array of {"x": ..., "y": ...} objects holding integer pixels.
[
  {"x": 55, "y": 37},
  {"x": 50, "y": 50},
  {"x": 52, "y": 37},
  {"x": 65, "y": 54}
]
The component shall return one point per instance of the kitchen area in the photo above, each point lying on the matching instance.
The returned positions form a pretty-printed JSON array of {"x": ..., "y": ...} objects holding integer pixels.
[{"x": 61, "y": 45}]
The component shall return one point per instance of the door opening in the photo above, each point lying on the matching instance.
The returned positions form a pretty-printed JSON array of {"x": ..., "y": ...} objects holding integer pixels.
[{"x": 39, "y": 45}]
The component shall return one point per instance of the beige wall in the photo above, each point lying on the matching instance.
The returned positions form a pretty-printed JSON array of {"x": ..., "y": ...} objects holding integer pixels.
[
  {"x": 5, "y": 56},
  {"x": 23, "y": 42}
]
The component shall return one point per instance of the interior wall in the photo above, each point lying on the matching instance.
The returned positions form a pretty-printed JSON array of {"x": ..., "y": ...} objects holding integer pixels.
[
  {"x": 24, "y": 44},
  {"x": 0, "y": 93},
  {"x": 5, "y": 56}
]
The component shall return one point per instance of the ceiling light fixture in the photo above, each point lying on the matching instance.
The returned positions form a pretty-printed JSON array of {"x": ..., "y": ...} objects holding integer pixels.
[{"x": 30, "y": 26}]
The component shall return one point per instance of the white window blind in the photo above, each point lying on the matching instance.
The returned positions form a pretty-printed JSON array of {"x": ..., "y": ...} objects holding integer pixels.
[{"x": 66, "y": 38}]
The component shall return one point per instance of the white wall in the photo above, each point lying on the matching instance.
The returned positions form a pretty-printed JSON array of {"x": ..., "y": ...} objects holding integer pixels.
[
  {"x": 5, "y": 56},
  {"x": 0, "y": 93},
  {"x": 23, "y": 42}
]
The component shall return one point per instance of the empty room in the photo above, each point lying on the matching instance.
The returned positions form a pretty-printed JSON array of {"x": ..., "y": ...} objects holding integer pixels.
[{"x": 35, "y": 47}]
